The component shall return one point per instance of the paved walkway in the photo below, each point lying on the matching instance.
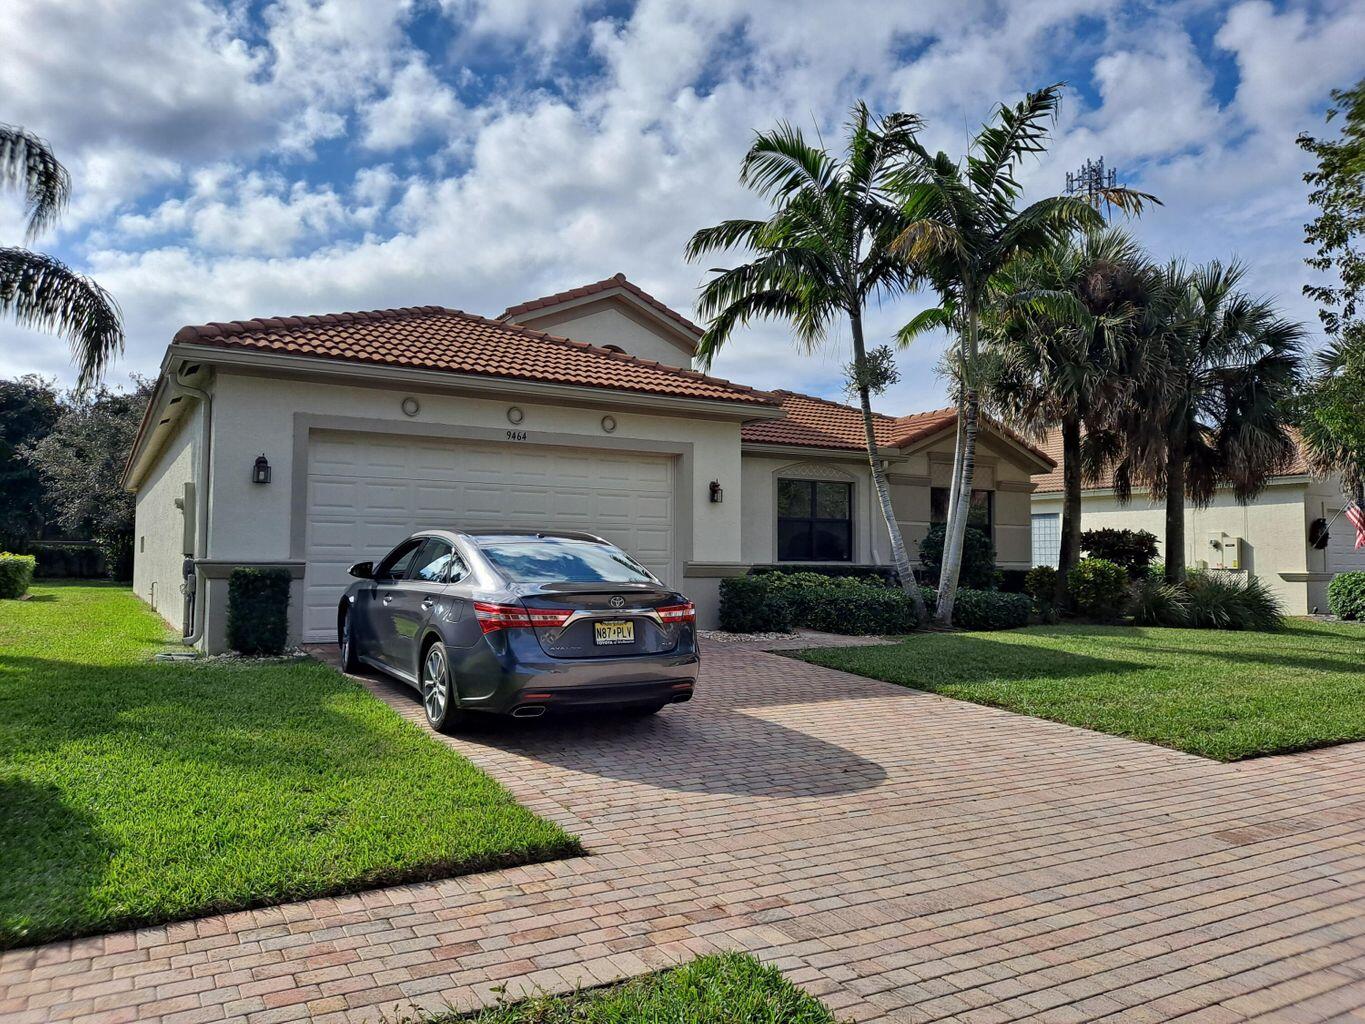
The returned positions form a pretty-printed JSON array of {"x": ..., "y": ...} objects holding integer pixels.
[{"x": 905, "y": 857}]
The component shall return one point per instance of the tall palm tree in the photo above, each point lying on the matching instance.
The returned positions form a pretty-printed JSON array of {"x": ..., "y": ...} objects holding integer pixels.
[
  {"x": 962, "y": 229},
  {"x": 821, "y": 256},
  {"x": 40, "y": 291},
  {"x": 1069, "y": 364},
  {"x": 1217, "y": 414}
]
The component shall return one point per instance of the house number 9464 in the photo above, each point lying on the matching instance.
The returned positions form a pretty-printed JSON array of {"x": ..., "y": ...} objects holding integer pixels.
[{"x": 516, "y": 435}]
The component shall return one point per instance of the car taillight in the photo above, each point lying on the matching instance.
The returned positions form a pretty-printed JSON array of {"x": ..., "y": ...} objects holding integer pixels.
[
  {"x": 678, "y": 612},
  {"x": 493, "y": 617}
]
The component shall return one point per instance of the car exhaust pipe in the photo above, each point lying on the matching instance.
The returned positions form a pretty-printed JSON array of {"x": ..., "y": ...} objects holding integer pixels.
[{"x": 529, "y": 711}]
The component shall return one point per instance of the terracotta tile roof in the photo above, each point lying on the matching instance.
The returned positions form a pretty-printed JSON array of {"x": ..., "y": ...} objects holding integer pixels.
[
  {"x": 1052, "y": 444},
  {"x": 616, "y": 281},
  {"x": 436, "y": 338},
  {"x": 819, "y": 423}
]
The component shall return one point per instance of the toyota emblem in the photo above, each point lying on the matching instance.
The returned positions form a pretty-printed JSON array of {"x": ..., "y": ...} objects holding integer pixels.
[{"x": 617, "y": 601}]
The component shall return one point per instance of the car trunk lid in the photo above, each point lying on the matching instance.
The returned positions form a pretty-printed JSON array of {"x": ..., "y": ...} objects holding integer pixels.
[{"x": 605, "y": 620}]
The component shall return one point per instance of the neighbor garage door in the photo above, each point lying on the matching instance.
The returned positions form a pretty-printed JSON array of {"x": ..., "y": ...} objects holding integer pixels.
[
  {"x": 367, "y": 492},
  {"x": 1342, "y": 554}
]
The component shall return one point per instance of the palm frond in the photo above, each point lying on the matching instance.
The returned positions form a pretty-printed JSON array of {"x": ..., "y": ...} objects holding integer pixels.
[
  {"x": 725, "y": 235},
  {"x": 932, "y": 319},
  {"x": 780, "y": 162},
  {"x": 28, "y": 165},
  {"x": 41, "y": 292},
  {"x": 998, "y": 147}
]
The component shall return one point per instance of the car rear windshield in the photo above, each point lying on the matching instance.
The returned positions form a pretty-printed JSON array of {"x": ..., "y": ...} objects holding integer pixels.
[{"x": 555, "y": 560}]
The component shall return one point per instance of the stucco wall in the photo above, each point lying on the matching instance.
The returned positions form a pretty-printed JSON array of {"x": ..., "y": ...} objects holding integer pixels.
[
  {"x": 999, "y": 468},
  {"x": 258, "y": 414},
  {"x": 607, "y": 322},
  {"x": 1273, "y": 527},
  {"x": 159, "y": 527}
]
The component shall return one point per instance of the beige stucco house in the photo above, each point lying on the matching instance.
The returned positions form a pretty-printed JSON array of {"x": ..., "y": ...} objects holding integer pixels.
[
  {"x": 1267, "y": 537},
  {"x": 575, "y": 411}
]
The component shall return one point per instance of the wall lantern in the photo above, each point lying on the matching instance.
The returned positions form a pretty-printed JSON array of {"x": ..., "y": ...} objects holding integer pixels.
[
  {"x": 260, "y": 472},
  {"x": 717, "y": 492}
]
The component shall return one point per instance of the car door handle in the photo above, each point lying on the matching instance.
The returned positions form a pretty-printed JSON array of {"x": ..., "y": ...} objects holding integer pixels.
[
  {"x": 388, "y": 598},
  {"x": 426, "y": 605}
]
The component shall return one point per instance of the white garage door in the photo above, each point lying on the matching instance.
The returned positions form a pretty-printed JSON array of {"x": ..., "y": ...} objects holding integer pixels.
[
  {"x": 366, "y": 492},
  {"x": 1342, "y": 554}
]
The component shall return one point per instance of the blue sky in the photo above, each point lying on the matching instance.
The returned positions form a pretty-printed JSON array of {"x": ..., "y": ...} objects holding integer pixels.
[{"x": 238, "y": 159}]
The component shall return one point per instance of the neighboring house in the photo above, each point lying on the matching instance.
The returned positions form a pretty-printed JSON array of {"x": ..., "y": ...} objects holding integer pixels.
[
  {"x": 1268, "y": 537},
  {"x": 376, "y": 424}
]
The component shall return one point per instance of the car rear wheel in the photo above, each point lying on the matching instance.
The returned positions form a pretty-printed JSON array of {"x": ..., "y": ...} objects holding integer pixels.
[
  {"x": 438, "y": 693},
  {"x": 350, "y": 660}
]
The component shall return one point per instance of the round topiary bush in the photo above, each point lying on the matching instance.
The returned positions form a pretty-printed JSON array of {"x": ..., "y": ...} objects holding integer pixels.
[
  {"x": 16, "y": 573},
  {"x": 978, "y": 558},
  {"x": 1346, "y": 595},
  {"x": 1098, "y": 588}
]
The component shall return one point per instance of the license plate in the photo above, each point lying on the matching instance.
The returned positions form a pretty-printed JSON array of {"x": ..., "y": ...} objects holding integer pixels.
[{"x": 613, "y": 632}]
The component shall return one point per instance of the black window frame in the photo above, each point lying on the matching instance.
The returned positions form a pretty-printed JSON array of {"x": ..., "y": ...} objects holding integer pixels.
[
  {"x": 937, "y": 519},
  {"x": 422, "y": 559},
  {"x": 813, "y": 521},
  {"x": 412, "y": 545}
]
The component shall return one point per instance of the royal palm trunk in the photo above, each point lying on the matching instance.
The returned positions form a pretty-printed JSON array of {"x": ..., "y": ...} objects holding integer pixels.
[{"x": 1070, "y": 551}]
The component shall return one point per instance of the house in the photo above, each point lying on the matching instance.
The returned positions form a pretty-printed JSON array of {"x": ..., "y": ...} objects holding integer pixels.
[
  {"x": 1270, "y": 537},
  {"x": 313, "y": 442}
]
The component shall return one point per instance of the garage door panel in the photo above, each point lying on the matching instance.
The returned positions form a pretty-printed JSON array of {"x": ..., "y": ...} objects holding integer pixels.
[
  {"x": 367, "y": 492},
  {"x": 1342, "y": 555}
]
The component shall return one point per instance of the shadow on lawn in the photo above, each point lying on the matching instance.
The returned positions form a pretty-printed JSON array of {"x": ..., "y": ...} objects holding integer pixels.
[{"x": 49, "y": 850}]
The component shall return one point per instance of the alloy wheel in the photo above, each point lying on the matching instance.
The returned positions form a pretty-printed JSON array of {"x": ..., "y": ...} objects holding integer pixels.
[{"x": 434, "y": 683}]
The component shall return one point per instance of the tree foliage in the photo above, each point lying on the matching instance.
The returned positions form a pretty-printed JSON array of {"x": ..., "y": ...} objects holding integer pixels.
[
  {"x": 29, "y": 407},
  {"x": 81, "y": 460}
]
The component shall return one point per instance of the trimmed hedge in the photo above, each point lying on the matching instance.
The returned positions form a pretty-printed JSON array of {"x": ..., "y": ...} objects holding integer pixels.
[
  {"x": 978, "y": 558},
  {"x": 991, "y": 609},
  {"x": 1098, "y": 588},
  {"x": 1134, "y": 550},
  {"x": 1040, "y": 583},
  {"x": 258, "y": 610},
  {"x": 886, "y": 573},
  {"x": 76, "y": 560},
  {"x": 749, "y": 605},
  {"x": 16, "y": 573},
  {"x": 1346, "y": 595}
]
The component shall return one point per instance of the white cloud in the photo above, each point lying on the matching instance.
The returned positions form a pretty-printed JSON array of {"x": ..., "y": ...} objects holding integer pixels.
[{"x": 551, "y": 188}]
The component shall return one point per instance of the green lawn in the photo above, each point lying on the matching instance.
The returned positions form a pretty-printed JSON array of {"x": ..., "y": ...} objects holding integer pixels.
[
  {"x": 134, "y": 791},
  {"x": 1218, "y": 694},
  {"x": 725, "y": 989}
]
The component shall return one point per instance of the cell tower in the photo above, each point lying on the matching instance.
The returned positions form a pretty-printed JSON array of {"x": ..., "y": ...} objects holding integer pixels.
[{"x": 1090, "y": 182}]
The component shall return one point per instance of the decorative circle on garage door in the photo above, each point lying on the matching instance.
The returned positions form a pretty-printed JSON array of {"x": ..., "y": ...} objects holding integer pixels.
[{"x": 411, "y": 407}]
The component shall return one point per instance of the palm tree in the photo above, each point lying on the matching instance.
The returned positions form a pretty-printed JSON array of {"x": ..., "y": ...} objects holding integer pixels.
[
  {"x": 822, "y": 255},
  {"x": 1071, "y": 364},
  {"x": 40, "y": 291},
  {"x": 962, "y": 229},
  {"x": 1216, "y": 415}
]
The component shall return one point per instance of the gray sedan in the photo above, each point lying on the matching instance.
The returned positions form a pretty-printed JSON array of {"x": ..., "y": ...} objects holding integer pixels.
[{"x": 519, "y": 623}]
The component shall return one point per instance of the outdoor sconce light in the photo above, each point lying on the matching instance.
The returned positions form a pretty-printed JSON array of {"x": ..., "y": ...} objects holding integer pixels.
[
  {"x": 260, "y": 472},
  {"x": 717, "y": 492}
]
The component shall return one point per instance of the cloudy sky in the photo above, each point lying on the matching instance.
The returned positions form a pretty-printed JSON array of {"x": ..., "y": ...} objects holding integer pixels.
[{"x": 239, "y": 159}]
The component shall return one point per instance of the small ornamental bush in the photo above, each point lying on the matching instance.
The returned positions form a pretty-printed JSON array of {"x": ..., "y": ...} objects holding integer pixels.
[
  {"x": 1098, "y": 588},
  {"x": 749, "y": 605},
  {"x": 1220, "y": 601},
  {"x": 978, "y": 558},
  {"x": 16, "y": 573},
  {"x": 1346, "y": 595},
  {"x": 1133, "y": 550},
  {"x": 1154, "y": 602},
  {"x": 1040, "y": 583},
  {"x": 991, "y": 609},
  {"x": 258, "y": 610}
]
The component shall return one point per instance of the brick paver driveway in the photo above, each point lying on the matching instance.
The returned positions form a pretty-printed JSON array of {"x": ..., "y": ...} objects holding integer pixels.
[{"x": 904, "y": 856}]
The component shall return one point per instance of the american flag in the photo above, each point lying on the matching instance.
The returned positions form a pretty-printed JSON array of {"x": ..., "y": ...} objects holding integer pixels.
[{"x": 1356, "y": 517}]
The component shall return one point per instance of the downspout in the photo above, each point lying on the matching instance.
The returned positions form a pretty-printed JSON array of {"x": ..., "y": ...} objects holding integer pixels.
[{"x": 201, "y": 504}]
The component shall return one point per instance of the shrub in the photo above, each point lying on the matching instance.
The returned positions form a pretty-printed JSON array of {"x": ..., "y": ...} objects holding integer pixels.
[
  {"x": 1346, "y": 595},
  {"x": 258, "y": 610},
  {"x": 991, "y": 609},
  {"x": 855, "y": 611},
  {"x": 1218, "y": 601},
  {"x": 885, "y": 573},
  {"x": 16, "y": 573},
  {"x": 978, "y": 558},
  {"x": 1040, "y": 583},
  {"x": 1098, "y": 588},
  {"x": 749, "y": 605},
  {"x": 1132, "y": 550},
  {"x": 67, "y": 560},
  {"x": 1154, "y": 602}
]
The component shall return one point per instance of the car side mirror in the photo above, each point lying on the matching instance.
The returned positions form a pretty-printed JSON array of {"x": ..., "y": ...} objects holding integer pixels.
[{"x": 362, "y": 570}]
